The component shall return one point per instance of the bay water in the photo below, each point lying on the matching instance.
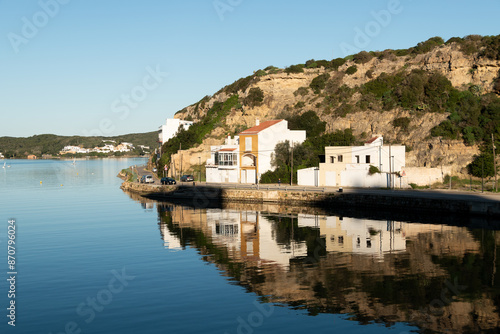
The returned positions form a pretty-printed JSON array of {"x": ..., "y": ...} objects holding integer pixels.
[{"x": 90, "y": 258}]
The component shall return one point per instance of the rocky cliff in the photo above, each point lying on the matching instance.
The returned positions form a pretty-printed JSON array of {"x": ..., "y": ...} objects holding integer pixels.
[{"x": 342, "y": 105}]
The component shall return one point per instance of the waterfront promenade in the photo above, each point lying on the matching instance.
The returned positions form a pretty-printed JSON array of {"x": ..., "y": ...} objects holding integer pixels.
[{"x": 428, "y": 202}]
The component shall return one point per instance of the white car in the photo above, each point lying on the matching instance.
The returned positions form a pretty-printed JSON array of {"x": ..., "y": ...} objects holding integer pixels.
[{"x": 149, "y": 179}]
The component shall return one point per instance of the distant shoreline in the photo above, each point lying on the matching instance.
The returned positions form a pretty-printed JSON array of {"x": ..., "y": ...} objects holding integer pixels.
[{"x": 80, "y": 158}]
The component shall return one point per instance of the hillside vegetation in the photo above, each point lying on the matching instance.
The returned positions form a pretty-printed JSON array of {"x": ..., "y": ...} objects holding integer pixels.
[
  {"x": 438, "y": 98},
  {"x": 18, "y": 147}
]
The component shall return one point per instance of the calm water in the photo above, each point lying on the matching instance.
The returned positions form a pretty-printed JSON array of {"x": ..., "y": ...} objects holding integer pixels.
[{"x": 93, "y": 259}]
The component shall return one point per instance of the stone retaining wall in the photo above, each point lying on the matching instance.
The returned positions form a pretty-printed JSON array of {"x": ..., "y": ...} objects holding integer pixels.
[{"x": 392, "y": 201}]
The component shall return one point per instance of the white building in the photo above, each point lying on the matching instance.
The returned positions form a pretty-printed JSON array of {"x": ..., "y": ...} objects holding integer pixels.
[
  {"x": 223, "y": 165},
  {"x": 257, "y": 146},
  {"x": 170, "y": 129},
  {"x": 70, "y": 149},
  {"x": 245, "y": 157},
  {"x": 349, "y": 166}
]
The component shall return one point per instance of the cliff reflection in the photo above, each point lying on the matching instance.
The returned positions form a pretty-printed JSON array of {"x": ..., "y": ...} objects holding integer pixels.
[{"x": 438, "y": 277}]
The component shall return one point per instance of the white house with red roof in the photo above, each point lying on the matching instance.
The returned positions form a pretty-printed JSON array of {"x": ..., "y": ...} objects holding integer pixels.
[
  {"x": 349, "y": 166},
  {"x": 247, "y": 156}
]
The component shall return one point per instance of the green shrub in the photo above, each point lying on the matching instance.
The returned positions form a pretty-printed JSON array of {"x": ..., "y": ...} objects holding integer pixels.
[
  {"x": 344, "y": 109},
  {"x": 402, "y": 52},
  {"x": 369, "y": 74},
  {"x": 311, "y": 64},
  {"x": 373, "y": 170},
  {"x": 351, "y": 70},
  {"x": 255, "y": 97},
  {"x": 482, "y": 165},
  {"x": 272, "y": 69},
  {"x": 319, "y": 83},
  {"x": 446, "y": 130},
  {"x": 295, "y": 69},
  {"x": 496, "y": 86},
  {"x": 324, "y": 63},
  {"x": 401, "y": 122},
  {"x": 337, "y": 62},
  {"x": 299, "y": 105},
  {"x": 308, "y": 121},
  {"x": 239, "y": 85},
  {"x": 424, "y": 47},
  {"x": 260, "y": 73},
  {"x": 302, "y": 91},
  {"x": 362, "y": 57},
  {"x": 387, "y": 54}
]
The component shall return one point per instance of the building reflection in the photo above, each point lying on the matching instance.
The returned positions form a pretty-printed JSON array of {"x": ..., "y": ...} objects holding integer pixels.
[
  {"x": 373, "y": 270},
  {"x": 253, "y": 235}
]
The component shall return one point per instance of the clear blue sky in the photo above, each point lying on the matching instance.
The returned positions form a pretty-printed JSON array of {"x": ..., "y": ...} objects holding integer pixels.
[{"x": 76, "y": 67}]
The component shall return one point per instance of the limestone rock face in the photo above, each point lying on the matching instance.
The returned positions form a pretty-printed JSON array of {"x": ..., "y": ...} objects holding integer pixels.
[{"x": 282, "y": 95}]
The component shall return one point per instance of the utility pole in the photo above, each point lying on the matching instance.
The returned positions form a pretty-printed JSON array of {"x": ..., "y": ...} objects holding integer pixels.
[
  {"x": 180, "y": 152},
  {"x": 494, "y": 161},
  {"x": 390, "y": 168},
  {"x": 482, "y": 174},
  {"x": 291, "y": 162},
  {"x": 199, "y": 163}
]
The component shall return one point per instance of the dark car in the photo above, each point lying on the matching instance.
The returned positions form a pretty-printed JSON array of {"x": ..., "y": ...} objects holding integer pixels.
[
  {"x": 187, "y": 178},
  {"x": 167, "y": 180}
]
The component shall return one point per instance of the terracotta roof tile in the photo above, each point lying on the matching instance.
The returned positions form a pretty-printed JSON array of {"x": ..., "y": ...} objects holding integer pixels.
[{"x": 258, "y": 128}]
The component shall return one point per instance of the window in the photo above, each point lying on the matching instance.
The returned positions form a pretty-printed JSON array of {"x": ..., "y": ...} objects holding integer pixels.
[
  {"x": 248, "y": 143},
  {"x": 368, "y": 243},
  {"x": 341, "y": 240},
  {"x": 227, "y": 159},
  {"x": 340, "y": 158},
  {"x": 357, "y": 159},
  {"x": 332, "y": 159},
  {"x": 367, "y": 159}
]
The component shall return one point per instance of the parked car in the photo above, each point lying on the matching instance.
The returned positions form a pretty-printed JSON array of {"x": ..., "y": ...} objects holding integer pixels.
[
  {"x": 149, "y": 179},
  {"x": 167, "y": 180},
  {"x": 187, "y": 178},
  {"x": 155, "y": 170}
]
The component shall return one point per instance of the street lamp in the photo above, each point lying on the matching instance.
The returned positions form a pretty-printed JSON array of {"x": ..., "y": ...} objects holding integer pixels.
[{"x": 199, "y": 163}]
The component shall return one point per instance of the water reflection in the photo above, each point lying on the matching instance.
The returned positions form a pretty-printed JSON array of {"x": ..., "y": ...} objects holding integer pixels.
[{"x": 438, "y": 277}]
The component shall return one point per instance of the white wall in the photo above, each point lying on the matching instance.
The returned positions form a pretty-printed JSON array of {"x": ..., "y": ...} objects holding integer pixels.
[
  {"x": 423, "y": 176},
  {"x": 308, "y": 177},
  {"x": 169, "y": 130},
  {"x": 360, "y": 178},
  {"x": 268, "y": 138}
]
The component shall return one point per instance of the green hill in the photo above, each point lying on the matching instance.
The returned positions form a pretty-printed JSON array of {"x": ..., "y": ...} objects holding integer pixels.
[{"x": 20, "y": 147}]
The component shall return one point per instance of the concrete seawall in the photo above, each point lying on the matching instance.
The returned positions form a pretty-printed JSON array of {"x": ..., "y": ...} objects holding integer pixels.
[{"x": 426, "y": 202}]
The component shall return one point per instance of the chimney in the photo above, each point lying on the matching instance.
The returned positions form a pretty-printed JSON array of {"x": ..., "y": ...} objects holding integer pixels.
[{"x": 257, "y": 122}]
